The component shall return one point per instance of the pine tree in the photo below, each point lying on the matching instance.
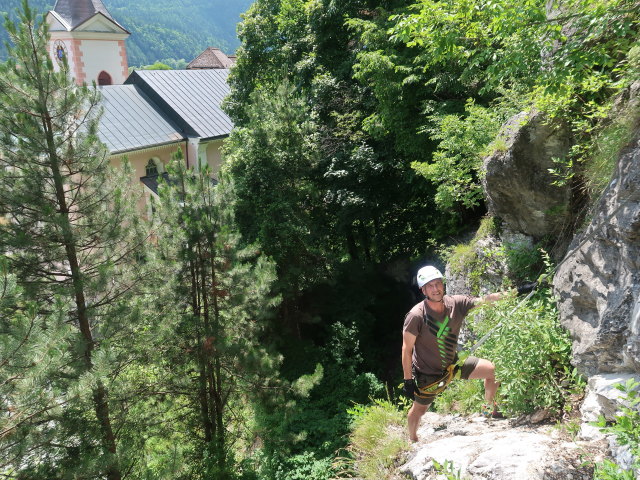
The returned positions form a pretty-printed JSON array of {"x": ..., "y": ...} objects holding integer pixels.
[
  {"x": 222, "y": 297},
  {"x": 31, "y": 361},
  {"x": 72, "y": 237}
]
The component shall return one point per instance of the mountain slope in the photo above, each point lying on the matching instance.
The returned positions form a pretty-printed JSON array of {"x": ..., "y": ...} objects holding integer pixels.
[{"x": 163, "y": 30}]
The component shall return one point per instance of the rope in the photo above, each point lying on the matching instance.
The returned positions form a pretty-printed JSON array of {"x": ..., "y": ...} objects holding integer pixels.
[{"x": 490, "y": 332}]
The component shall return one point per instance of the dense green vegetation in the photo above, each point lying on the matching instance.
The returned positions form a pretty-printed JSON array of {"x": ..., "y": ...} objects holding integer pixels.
[
  {"x": 162, "y": 31},
  {"x": 171, "y": 31},
  {"x": 360, "y": 132},
  {"x": 251, "y": 330}
]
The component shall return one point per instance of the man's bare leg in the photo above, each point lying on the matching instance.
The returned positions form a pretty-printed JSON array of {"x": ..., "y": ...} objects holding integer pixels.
[
  {"x": 413, "y": 419},
  {"x": 487, "y": 371}
]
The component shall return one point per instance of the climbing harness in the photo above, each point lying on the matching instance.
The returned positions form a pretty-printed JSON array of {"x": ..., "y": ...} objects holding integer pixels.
[{"x": 431, "y": 390}]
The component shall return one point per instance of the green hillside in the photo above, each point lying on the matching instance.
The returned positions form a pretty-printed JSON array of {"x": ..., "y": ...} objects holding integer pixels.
[{"x": 162, "y": 30}]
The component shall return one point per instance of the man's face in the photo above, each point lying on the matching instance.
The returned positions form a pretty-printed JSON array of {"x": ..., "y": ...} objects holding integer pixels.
[{"x": 434, "y": 290}]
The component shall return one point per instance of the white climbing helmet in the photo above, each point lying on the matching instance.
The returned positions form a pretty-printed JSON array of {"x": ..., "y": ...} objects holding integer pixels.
[{"x": 426, "y": 274}]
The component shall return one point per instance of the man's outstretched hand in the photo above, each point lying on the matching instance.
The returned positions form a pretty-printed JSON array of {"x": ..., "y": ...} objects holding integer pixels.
[
  {"x": 526, "y": 288},
  {"x": 409, "y": 388}
]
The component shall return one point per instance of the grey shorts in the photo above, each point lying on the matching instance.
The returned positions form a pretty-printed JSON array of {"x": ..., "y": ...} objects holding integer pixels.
[{"x": 422, "y": 380}]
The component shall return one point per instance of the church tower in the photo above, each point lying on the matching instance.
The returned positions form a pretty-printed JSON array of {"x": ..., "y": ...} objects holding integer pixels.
[{"x": 86, "y": 34}]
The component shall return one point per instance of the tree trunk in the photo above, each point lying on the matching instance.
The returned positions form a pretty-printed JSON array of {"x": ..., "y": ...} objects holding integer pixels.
[
  {"x": 100, "y": 396},
  {"x": 352, "y": 248},
  {"x": 196, "y": 309},
  {"x": 214, "y": 398}
]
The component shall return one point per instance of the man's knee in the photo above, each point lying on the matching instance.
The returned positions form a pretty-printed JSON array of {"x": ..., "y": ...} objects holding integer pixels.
[
  {"x": 484, "y": 370},
  {"x": 418, "y": 409}
]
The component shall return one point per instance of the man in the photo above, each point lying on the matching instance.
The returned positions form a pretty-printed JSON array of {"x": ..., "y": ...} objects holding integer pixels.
[{"x": 429, "y": 346}]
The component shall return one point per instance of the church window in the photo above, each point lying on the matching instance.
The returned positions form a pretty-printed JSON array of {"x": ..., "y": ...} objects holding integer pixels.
[
  {"x": 154, "y": 167},
  {"x": 151, "y": 168},
  {"x": 60, "y": 51},
  {"x": 104, "y": 78}
]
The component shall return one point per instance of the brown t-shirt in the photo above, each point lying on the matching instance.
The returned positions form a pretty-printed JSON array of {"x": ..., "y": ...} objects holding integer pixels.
[{"x": 436, "y": 333}]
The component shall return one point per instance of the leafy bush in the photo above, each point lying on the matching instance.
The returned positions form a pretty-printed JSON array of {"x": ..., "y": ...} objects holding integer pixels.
[
  {"x": 457, "y": 162},
  {"x": 303, "y": 429},
  {"x": 448, "y": 470},
  {"x": 465, "y": 257},
  {"x": 304, "y": 466},
  {"x": 462, "y": 396},
  {"x": 531, "y": 352},
  {"x": 608, "y": 470},
  {"x": 522, "y": 259},
  {"x": 377, "y": 438}
]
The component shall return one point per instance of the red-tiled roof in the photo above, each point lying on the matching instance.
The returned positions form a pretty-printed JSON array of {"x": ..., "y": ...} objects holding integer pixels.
[{"x": 212, "y": 58}]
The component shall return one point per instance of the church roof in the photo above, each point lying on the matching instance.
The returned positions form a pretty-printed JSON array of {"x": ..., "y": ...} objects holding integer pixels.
[
  {"x": 131, "y": 121},
  {"x": 211, "y": 58},
  {"x": 191, "y": 98},
  {"x": 76, "y": 12}
]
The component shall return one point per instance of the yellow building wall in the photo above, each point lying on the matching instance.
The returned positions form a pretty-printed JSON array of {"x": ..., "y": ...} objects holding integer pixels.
[
  {"x": 214, "y": 156},
  {"x": 162, "y": 155},
  {"x": 139, "y": 161}
]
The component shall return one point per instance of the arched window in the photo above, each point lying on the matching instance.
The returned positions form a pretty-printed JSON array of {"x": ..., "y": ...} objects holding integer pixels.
[
  {"x": 104, "y": 78},
  {"x": 152, "y": 168}
]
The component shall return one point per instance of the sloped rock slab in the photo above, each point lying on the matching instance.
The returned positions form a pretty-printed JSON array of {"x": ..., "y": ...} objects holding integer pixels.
[{"x": 484, "y": 449}]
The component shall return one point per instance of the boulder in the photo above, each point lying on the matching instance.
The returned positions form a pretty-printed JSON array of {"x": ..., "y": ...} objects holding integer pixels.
[
  {"x": 602, "y": 398},
  {"x": 483, "y": 267},
  {"x": 520, "y": 189}
]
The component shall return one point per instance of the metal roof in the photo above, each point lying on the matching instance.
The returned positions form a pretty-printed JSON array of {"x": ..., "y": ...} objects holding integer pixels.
[
  {"x": 76, "y": 12},
  {"x": 191, "y": 98},
  {"x": 131, "y": 121},
  {"x": 152, "y": 181}
]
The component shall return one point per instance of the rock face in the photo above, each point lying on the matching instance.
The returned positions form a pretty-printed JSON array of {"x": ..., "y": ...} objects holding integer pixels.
[
  {"x": 518, "y": 184},
  {"x": 598, "y": 289},
  {"x": 478, "y": 448},
  {"x": 602, "y": 398},
  {"x": 459, "y": 277},
  {"x": 598, "y": 283},
  {"x": 485, "y": 254}
]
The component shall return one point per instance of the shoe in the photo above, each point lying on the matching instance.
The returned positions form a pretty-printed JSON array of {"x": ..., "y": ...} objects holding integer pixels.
[{"x": 491, "y": 413}]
